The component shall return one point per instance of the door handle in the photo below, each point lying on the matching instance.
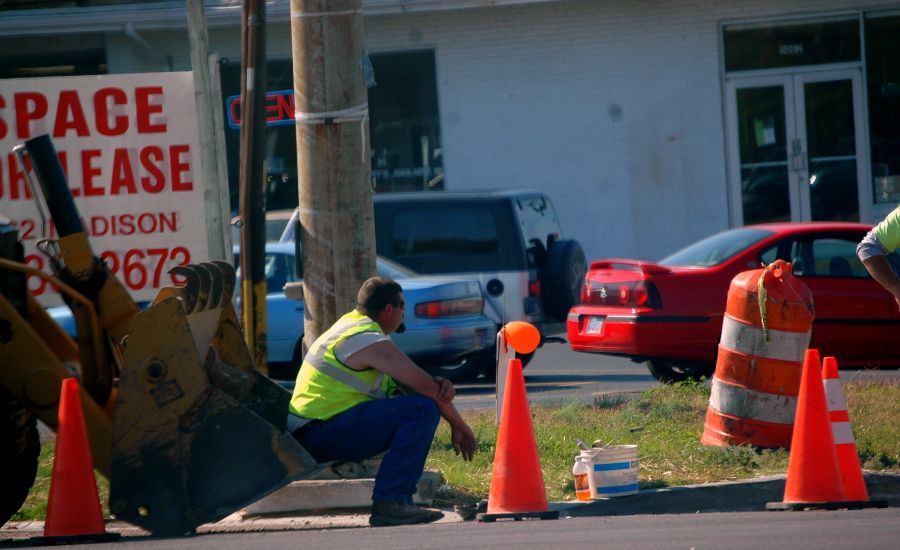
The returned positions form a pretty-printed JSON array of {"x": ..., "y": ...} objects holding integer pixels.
[{"x": 797, "y": 156}]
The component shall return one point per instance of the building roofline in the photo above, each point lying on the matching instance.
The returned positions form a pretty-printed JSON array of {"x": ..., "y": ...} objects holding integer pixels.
[{"x": 167, "y": 15}]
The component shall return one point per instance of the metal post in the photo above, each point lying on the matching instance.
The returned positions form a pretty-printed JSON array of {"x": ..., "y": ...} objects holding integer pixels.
[{"x": 252, "y": 178}]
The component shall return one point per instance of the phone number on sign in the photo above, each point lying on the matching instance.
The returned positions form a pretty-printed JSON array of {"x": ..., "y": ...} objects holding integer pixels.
[{"x": 138, "y": 269}]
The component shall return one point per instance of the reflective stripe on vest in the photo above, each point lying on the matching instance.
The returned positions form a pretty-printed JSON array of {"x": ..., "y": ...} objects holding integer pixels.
[
  {"x": 749, "y": 340},
  {"x": 746, "y": 403},
  {"x": 316, "y": 359}
]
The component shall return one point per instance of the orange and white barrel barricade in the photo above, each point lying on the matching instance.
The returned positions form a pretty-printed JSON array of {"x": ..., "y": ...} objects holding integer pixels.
[{"x": 765, "y": 333}]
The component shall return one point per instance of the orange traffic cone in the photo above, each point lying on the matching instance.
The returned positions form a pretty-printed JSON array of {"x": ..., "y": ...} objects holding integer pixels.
[
  {"x": 813, "y": 479},
  {"x": 517, "y": 483},
  {"x": 73, "y": 509},
  {"x": 845, "y": 444}
]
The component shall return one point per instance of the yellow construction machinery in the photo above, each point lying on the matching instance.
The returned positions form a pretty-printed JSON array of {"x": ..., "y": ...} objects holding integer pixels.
[{"x": 179, "y": 421}]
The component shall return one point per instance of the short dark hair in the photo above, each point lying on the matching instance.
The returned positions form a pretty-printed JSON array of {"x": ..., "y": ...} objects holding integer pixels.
[{"x": 376, "y": 293}]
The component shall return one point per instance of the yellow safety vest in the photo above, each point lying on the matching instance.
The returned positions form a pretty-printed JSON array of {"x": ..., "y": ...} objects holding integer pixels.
[{"x": 325, "y": 386}]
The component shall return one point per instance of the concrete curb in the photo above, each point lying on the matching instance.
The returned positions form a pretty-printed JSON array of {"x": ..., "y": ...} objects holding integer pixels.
[{"x": 734, "y": 496}]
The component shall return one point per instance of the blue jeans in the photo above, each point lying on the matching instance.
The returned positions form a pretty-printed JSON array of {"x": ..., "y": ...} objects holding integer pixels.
[{"x": 403, "y": 426}]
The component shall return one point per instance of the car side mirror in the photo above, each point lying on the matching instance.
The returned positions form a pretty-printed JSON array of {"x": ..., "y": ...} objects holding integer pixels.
[{"x": 293, "y": 290}]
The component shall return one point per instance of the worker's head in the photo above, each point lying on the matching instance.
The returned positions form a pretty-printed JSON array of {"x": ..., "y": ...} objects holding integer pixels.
[{"x": 381, "y": 299}]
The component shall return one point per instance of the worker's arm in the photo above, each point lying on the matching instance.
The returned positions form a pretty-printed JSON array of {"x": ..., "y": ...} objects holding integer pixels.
[
  {"x": 386, "y": 357},
  {"x": 881, "y": 271},
  {"x": 461, "y": 435}
]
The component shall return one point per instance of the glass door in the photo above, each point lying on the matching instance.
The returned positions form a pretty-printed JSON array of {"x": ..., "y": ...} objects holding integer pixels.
[{"x": 795, "y": 143}]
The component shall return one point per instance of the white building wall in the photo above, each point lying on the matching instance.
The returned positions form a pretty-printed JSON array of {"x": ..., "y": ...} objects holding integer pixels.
[{"x": 612, "y": 108}]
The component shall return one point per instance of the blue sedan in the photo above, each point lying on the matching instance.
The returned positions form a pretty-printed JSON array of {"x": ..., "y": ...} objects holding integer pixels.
[{"x": 446, "y": 331}]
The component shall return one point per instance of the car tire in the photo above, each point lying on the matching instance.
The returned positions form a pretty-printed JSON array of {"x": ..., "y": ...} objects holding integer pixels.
[
  {"x": 669, "y": 372},
  {"x": 466, "y": 369},
  {"x": 20, "y": 447},
  {"x": 562, "y": 277}
]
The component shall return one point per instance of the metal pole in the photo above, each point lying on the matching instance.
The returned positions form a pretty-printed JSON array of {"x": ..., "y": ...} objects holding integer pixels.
[
  {"x": 252, "y": 178},
  {"x": 337, "y": 232}
]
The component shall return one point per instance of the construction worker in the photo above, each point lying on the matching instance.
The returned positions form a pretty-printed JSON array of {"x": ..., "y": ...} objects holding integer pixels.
[
  {"x": 878, "y": 250},
  {"x": 345, "y": 407}
]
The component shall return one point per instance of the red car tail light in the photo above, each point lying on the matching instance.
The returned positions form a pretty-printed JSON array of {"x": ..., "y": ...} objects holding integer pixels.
[
  {"x": 628, "y": 294},
  {"x": 450, "y": 308}
]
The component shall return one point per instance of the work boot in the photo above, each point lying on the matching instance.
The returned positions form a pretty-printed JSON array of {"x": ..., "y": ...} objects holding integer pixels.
[{"x": 398, "y": 513}]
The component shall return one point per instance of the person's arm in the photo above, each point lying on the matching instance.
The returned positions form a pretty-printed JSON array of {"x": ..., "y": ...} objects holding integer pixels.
[
  {"x": 880, "y": 270},
  {"x": 386, "y": 357},
  {"x": 461, "y": 435}
]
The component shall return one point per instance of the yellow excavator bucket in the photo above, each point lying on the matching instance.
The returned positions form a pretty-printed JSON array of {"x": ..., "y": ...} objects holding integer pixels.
[{"x": 198, "y": 433}]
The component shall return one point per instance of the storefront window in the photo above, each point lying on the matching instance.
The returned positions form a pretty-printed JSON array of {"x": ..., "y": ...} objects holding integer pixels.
[
  {"x": 403, "y": 121},
  {"x": 883, "y": 78},
  {"x": 405, "y": 127}
]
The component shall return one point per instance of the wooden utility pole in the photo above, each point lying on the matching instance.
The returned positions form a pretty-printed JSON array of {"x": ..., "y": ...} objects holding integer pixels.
[
  {"x": 252, "y": 176},
  {"x": 337, "y": 233}
]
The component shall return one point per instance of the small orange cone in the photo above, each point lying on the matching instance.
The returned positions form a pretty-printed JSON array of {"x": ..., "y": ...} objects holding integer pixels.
[
  {"x": 845, "y": 444},
  {"x": 814, "y": 478},
  {"x": 73, "y": 509},
  {"x": 517, "y": 482}
]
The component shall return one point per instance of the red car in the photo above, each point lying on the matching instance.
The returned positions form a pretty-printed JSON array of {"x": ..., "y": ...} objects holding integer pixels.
[{"x": 669, "y": 313}]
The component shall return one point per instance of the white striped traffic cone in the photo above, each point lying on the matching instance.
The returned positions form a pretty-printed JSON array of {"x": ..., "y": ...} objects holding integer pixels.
[{"x": 844, "y": 443}]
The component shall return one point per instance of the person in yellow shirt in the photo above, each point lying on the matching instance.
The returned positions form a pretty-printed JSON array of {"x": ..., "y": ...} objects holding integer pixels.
[
  {"x": 346, "y": 405},
  {"x": 878, "y": 252}
]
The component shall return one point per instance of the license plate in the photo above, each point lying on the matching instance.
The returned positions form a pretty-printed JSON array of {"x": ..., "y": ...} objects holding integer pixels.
[{"x": 595, "y": 325}]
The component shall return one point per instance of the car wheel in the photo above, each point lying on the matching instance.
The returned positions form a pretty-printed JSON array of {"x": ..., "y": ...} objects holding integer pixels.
[
  {"x": 20, "y": 446},
  {"x": 562, "y": 277},
  {"x": 669, "y": 372},
  {"x": 464, "y": 370}
]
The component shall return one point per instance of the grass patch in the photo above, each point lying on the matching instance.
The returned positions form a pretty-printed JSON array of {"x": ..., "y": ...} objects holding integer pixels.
[
  {"x": 665, "y": 422},
  {"x": 35, "y": 506}
]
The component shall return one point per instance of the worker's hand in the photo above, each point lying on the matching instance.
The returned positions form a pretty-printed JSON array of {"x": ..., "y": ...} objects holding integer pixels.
[
  {"x": 446, "y": 391},
  {"x": 464, "y": 441}
]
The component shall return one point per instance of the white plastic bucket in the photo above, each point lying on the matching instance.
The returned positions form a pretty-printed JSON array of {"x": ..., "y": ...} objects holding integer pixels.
[{"x": 615, "y": 471}]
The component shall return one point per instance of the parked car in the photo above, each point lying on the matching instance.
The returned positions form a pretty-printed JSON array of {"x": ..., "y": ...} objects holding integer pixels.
[
  {"x": 510, "y": 241},
  {"x": 446, "y": 331},
  {"x": 275, "y": 222},
  {"x": 669, "y": 313}
]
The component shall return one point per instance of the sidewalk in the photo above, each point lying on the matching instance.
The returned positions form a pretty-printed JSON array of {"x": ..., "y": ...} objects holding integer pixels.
[{"x": 736, "y": 496}]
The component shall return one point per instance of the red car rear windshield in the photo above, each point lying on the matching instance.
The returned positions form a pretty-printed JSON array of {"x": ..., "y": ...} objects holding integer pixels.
[{"x": 716, "y": 249}]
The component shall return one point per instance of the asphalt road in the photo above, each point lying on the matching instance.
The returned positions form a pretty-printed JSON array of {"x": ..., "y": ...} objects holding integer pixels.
[
  {"x": 558, "y": 374},
  {"x": 811, "y": 530}
]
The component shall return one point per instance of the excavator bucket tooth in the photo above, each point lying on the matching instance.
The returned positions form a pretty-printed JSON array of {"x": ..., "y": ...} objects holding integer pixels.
[
  {"x": 185, "y": 451},
  {"x": 217, "y": 282},
  {"x": 228, "y": 280},
  {"x": 188, "y": 291},
  {"x": 205, "y": 286}
]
